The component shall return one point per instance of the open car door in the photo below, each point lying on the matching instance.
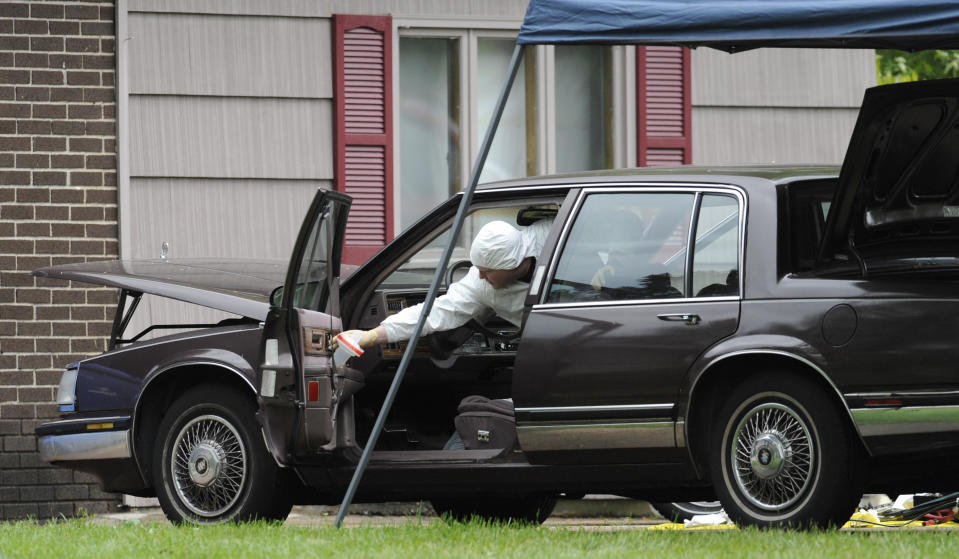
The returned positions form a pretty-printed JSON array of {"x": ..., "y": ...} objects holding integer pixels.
[{"x": 298, "y": 383}]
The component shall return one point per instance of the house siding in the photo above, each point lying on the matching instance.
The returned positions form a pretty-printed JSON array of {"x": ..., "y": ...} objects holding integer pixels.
[
  {"x": 231, "y": 113},
  {"x": 777, "y": 105}
]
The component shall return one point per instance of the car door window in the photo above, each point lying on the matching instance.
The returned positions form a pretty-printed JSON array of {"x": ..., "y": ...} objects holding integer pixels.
[
  {"x": 620, "y": 248},
  {"x": 716, "y": 256},
  {"x": 311, "y": 285}
]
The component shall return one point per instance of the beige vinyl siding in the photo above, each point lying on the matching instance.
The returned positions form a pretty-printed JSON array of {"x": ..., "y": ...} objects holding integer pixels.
[
  {"x": 498, "y": 9},
  {"x": 777, "y": 105},
  {"x": 195, "y": 54},
  {"x": 782, "y": 77},
  {"x": 230, "y": 131},
  {"x": 231, "y": 137},
  {"x": 771, "y": 135},
  {"x": 183, "y": 212}
]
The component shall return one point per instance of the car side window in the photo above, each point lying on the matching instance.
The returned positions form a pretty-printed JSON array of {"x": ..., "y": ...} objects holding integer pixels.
[
  {"x": 622, "y": 246},
  {"x": 310, "y": 290},
  {"x": 716, "y": 256}
]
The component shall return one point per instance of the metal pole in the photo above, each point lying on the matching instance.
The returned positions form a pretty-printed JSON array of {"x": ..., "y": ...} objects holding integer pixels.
[{"x": 434, "y": 287}]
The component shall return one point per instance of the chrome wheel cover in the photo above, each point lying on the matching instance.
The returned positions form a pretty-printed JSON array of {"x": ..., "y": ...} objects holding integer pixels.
[
  {"x": 208, "y": 464},
  {"x": 772, "y": 456}
]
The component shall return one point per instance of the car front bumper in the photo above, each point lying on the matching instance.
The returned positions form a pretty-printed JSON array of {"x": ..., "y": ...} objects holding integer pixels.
[
  {"x": 100, "y": 446},
  {"x": 85, "y": 446},
  {"x": 86, "y": 438}
]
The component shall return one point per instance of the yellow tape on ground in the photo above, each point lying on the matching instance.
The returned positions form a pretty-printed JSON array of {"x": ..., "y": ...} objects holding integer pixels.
[
  {"x": 676, "y": 526},
  {"x": 869, "y": 519},
  {"x": 859, "y": 520}
]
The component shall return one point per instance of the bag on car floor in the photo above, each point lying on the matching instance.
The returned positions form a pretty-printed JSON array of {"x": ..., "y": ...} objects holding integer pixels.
[{"x": 483, "y": 423}]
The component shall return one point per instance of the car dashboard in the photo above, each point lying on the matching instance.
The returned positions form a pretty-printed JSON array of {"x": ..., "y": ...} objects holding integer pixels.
[{"x": 386, "y": 303}]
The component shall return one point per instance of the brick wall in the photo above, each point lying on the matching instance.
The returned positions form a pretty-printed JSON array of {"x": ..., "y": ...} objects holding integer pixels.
[{"x": 57, "y": 205}]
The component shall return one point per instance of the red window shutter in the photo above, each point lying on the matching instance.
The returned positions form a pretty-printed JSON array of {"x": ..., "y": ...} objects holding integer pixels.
[
  {"x": 363, "y": 89},
  {"x": 665, "y": 106}
]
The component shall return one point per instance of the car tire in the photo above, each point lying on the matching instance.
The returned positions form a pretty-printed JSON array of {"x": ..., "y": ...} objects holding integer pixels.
[
  {"x": 783, "y": 455},
  {"x": 210, "y": 464},
  {"x": 523, "y": 509},
  {"x": 678, "y": 512}
]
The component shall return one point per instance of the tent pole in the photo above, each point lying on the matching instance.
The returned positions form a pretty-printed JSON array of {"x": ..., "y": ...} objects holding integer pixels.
[{"x": 434, "y": 287}]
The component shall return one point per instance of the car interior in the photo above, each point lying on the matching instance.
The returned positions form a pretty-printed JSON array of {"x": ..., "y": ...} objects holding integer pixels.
[
  {"x": 463, "y": 373},
  {"x": 805, "y": 225}
]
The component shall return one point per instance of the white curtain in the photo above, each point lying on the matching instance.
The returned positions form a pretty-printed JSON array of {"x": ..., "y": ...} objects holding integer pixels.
[
  {"x": 507, "y": 156},
  {"x": 582, "y": 107},
  {"x": 429, "y": 129}
]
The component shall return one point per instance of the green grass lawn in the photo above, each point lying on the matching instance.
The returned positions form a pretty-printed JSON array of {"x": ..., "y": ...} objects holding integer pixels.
[{"x": 83, "y": 538}]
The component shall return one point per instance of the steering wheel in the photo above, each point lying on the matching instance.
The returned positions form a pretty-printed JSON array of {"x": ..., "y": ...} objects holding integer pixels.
[
  {"x": 442, "y": 344},
  {"x": 455, "y": 269}
]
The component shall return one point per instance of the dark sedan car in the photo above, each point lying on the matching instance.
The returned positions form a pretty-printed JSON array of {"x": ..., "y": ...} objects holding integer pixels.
[{"x": 780, "y": 338}]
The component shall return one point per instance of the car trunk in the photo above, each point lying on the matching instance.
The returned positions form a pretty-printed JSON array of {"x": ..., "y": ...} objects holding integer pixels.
[{"x": 896, "y": 208}]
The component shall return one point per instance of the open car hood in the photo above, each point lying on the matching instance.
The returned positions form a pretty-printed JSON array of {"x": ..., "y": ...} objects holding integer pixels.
[
  {"x": 240, "y": 287},
  {"x": 898, "y": 191}
]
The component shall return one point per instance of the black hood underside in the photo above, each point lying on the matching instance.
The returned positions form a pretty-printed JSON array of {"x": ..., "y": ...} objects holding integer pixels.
[{"x": 898, "y": 192}]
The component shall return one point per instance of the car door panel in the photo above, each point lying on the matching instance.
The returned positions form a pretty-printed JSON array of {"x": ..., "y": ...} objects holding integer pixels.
[
  {"x": 297, "y": 380},
  {"x": 627, "y": 347},
  {"x": 607, "y": 378},
  {"x": 602, "y": 356}
]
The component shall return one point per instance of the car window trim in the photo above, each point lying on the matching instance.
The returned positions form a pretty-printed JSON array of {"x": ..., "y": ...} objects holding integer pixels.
[
  {"x": 691, "y": 232},
  {"x": 698, "y": 189},
  {"x": 636, "y": 302}
]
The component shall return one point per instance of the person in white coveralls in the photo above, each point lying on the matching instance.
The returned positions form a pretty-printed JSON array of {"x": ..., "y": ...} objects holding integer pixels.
[{"x": 503, "y": 259}]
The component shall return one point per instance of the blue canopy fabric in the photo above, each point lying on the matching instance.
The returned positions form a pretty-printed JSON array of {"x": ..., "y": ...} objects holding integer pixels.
[{"x": 735, "y": 25}]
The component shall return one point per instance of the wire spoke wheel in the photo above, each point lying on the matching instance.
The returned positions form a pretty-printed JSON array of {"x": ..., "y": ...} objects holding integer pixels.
[
  {"x": 209, "y": 465},
  {"x": 773, "y": 456}
]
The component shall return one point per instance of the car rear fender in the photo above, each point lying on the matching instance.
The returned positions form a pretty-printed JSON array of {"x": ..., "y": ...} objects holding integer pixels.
[{"x": 720, "y": 369}]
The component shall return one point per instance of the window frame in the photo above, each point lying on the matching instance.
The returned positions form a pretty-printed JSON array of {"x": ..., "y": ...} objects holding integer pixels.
[
  {"x": 693, "y": 248},
  {"x": 622, "y": 133},
  {"x": 698, "y": 190}
]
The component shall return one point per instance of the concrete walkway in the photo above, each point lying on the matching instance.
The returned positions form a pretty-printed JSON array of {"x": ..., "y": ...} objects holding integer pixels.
[{"x": 593, "y": 512}]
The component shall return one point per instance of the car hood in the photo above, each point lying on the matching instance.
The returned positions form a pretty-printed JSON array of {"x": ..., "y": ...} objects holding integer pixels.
[
  {"x": 898, "y": 190},
  {"x": 240, "y": 287}
]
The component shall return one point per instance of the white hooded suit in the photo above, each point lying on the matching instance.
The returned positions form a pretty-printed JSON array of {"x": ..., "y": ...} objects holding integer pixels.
[{"x": 498, "y": 246}]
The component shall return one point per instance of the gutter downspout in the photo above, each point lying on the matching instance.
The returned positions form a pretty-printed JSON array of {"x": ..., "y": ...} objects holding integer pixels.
[{"x": 122, "y": 93}]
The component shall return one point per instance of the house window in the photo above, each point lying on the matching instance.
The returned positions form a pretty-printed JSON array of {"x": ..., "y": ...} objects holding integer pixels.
[
  {"x": 572, "y": 108},
  {"x": 429, "y": 123},
  {"x": 509, "y": 156},
  {"x": 583, "y": 108},
  {"x": 449, "y": 82}
]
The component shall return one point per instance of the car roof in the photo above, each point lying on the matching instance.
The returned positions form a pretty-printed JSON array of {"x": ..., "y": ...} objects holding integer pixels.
[{"x": 687, "y": 173}]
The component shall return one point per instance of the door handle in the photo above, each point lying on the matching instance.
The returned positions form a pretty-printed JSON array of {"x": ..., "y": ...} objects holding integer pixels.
[{"x": 691, "y": 319}]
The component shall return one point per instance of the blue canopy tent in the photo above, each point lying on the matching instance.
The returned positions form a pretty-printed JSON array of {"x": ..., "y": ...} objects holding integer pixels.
[
  {"x": 737, "y": 25},
  {"x": 729, "y": 25}
]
